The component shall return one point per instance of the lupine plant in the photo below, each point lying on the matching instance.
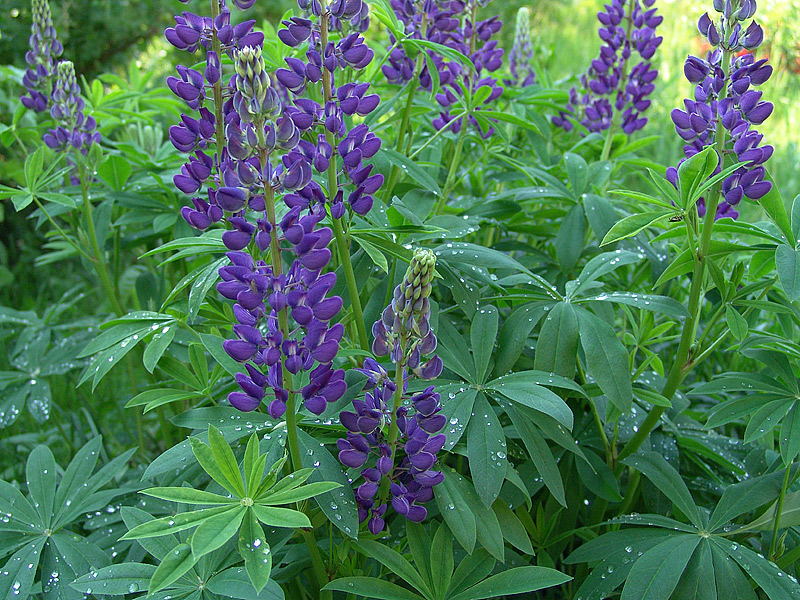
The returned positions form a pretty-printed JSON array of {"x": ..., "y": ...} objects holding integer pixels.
[{"x": 347, "y": 317}]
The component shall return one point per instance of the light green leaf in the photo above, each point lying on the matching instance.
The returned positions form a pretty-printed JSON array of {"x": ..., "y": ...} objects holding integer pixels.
[
  {"x": 216, "y": 531},
  {"x": 482, "y": 335},
  {"x": 255, "y": 551},
  {"x": 273, "y": 516},
  {"x": 174, "y": 565}
]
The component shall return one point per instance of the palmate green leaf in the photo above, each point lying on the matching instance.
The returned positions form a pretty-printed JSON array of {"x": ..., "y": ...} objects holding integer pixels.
[
  {"x": 116, "y": 580},
  {"x": 115, "y": 171},
  {"x": 471, "y": 570},
  {"x": 174, "y": 565},
  {"x": 159, "y": 397},
  {"x": 486, "y": 449},
  {"x": 173, "y": 524},
  {"x": 78, "y": 471},
  {"x": 775, "y": 583},
  {"x": 70, "y": 556},
  {"x": 451, "y": 503},
  {"x": 17, "y": 577},
  {"x": 487, "y": 525},
  {"x": 482, "y": 335},
  {"x": 664, "y": 476},
  {"x": 13, "y": 503},
  {"x": 607, "y": 359},
  {"x": 655, "y": 574},
  {"x": 698, "y": 580},
  {"x": 412, "y": 170},
  {"x": 395, "y": 562},
  {"x": 452, "y": 350},
  {"x": 732, "y": 584},
  {"x": 540, "y": 453},
  {"x": 514, "y": 334},
  {"x": 255, "y": 551},
  {"x": 652, "y": 520},
  {"x": 226, "y": 460},
  {"x": 419, "y": 542},
  {"x": 518, "y": 580},
  {"x": 598, "y": 478},
  {"x": 616, "y": 559},
  {"x": 524, "y": 391},
  {"x": 207, "y": 459},
  {"x": 371, "y": 587},
  {"x": 201, "y": 284},
  {"x": 466, "y": 255},
  {"x": 513, "y": 529},
  {"x": 766, "y": 417},
  {"x": 40, "y": 473},
  {"x": 214, "y": 532},
  {"x": 557, "y": 348}
]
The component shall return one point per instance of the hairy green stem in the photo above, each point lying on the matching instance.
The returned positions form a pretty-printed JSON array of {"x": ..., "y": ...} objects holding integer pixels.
[
  {"x": 394, "y": 430},
  {"x": 220, "y": 132},
  {"x": 451, "y": 175},
  {"x": 99, "y": 259},
  {"x": 339, "y": 232},
  {"x": 778, "y": 510},
  {"x": 681, "y": 365}
]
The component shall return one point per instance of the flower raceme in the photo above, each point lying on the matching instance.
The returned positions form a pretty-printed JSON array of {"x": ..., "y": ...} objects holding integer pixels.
[
  {"x": 73, "y": 128},
  {"x": 44, "y": 49},
  {"x": 382, "y": 423},
  {"x": 449, "y": 23},
  {"x": 724, "y": 97},
  {"x": 611, "y": 88},
  {"x": 520, "y": 59},
  {"x": 260, "y": 137}
]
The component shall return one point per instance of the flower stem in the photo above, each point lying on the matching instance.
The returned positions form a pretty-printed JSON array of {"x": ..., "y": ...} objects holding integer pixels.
[
  {"x": 778, "y": 510},
  {"x": 394, "y": 430},
  {"x": 451, "y": 174},
  {"x": 333, "y": 189},
  {"x": 681, "y": 365},
  {"x": 401, "y": 134},
  {"x": 220, "y": 132},
  {"x": 97, "y": 254}
]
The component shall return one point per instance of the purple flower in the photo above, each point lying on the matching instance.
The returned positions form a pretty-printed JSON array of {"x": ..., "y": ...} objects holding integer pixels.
[
  {"x": 381, "y": 425},
  {"x": 74, "y": 129},
  {"x": 726, "y": 99},
  {"x": 520, "y": 58},
  {"x": 612, "y": 87},
  {"x": 45, "y": 48}
]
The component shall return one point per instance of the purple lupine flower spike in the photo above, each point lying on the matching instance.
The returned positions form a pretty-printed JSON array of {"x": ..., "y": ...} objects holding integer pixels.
[
  {"x": 612, "y": 87},
  {"x": 520, "y": 58},
  {"x": 726, "y": 98},
  {"x": 404, "y": 333},
  {"x": 73, "y": 128},
  {"x": 441, "y": 22},
  {"x": 44, "y": 49}
]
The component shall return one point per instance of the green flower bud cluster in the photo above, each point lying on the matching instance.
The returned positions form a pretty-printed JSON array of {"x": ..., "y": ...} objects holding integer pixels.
[{"x": 255, "y": 98}]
